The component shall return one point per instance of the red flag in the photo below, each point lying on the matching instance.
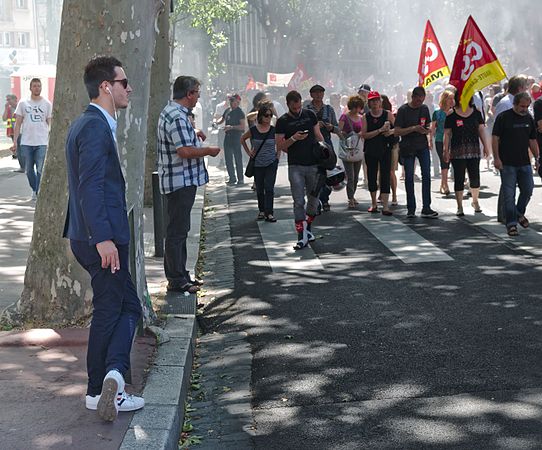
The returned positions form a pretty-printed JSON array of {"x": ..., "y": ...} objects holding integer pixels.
[
  {"x": 251, "y": 84},
  {"x": 475, "y": 65},
  {"x": 432, "y": 66},
  {"x": 299, "y": 76}
]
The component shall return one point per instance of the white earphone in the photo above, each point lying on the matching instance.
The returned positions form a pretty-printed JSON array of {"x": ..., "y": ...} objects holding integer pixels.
[{"x": 107, "y": 89}]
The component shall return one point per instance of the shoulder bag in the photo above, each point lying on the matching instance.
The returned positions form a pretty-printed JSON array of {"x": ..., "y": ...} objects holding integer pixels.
[{"x": 249, "y": 171}]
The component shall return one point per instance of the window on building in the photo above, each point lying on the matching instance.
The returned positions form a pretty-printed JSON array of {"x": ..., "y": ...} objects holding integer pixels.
[
  {"x": 22, "y": 39},
  {"x": 6, "y": 10},
  {"x": 22, "y": 4},
  {"x": 6, "y": 39}
]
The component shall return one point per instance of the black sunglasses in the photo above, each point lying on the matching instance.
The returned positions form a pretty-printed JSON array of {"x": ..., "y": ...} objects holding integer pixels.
[
  {"x": 124, "y": 82},
  {"x": 267, "y": 115}
]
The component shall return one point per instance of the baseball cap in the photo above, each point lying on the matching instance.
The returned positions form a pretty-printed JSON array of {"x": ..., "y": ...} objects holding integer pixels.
[
  {"x": 317, "y": 88},
  {"x": 364, "y": 87},
  {"x": 373, "y": 95}
]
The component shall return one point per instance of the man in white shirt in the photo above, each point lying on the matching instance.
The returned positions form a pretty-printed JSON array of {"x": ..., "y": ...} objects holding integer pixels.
[
  {"x": 516, "y": 84},
  {"x": 33, "y": 115}
]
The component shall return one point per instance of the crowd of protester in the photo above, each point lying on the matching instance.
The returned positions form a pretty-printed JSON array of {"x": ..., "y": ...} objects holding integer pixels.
[{"x": 376, "y": 135}]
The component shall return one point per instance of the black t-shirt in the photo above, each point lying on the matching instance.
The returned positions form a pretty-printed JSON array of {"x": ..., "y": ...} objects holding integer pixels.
[
  {"x": 537, "y": 109},
  {"x": 378, "y": 144},
  {"x": 514, "y": 132},
  {"x": 233, "y": 117},
  {"x": 408, "y": 117},
  {"x": 465, "y": 142},
  {"x": 300, "y": 152}
]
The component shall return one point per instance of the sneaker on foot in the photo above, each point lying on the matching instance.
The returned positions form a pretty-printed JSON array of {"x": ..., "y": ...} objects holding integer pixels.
[
  {"x": 107, "y": 405},
  {"x": 428, "y": 213},
  {"x": 410, "y": 215},
  {"x": 125, "y": 402},
  {"x": 129, "y": 402}
]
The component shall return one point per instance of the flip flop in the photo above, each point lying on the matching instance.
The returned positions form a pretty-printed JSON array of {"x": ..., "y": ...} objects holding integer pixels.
[
  {"x": 372, "y": 210},
  {"x": 512, "y": 231}
]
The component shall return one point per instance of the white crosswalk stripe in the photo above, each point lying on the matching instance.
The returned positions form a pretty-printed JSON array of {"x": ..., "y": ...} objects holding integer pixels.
[
  {"x": 404, "y": 242},
  {"x": 529, "y": 239},
  {"x": 279, "y": 239}
]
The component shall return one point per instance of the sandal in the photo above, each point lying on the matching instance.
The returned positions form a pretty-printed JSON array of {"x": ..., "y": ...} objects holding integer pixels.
[
  {"x": 373, "y": 209},
  {"x": 459, "y": 212},
  {"x": 387, "y": 212},
  {"x": 523, "y": 221},
  {"x": 261, "y": 216},
  {"x": 476, "y": 207},
  {"x": 512, "y": 230},
  {"x": 270, "y": 218},
  {"x": 351, "y": 204}
]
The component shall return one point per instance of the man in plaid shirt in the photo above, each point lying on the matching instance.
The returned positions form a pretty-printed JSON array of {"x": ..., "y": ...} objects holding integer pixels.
[{"x": 181, "y": 168}]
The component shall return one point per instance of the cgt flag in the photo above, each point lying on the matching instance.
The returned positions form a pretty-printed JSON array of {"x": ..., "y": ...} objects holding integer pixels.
[
  {"x": 432, "y": 66},
  {"x": 475, "y": 64}
]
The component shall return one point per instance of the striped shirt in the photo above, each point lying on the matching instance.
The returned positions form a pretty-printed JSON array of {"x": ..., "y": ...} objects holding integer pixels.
[{"x": 175, "y": 131}]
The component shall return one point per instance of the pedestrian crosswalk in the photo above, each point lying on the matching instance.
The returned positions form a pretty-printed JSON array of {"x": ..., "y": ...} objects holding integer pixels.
[
  {"x": 278, "y": 239},
  {"x": 403, "y": 241}
]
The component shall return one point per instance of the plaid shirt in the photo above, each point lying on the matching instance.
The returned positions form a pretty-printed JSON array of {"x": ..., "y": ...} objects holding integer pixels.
[{"x": 174, "y": 131}]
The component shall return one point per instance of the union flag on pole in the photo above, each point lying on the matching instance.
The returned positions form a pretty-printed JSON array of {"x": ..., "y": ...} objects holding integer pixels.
[
  {"x": 475, "y": 65},
  {"x": 432, "y": 66}
]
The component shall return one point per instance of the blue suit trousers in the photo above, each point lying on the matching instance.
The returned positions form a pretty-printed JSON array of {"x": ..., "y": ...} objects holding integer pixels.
[{"x": 116, "y": 312}]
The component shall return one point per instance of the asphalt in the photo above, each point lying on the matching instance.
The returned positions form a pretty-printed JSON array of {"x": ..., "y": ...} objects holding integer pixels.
[
  {"x": 43, "y": 371},
  {"x": 374, "y": 353}
]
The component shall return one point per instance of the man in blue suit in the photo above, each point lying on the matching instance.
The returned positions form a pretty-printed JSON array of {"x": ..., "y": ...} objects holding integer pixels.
[{"x": 97, "y": 226}]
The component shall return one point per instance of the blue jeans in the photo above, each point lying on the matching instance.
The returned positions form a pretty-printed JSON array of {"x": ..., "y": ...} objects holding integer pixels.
[
  {"x": 424, "y": 157},
  {"x": 523, "y": 177},
  {"x": 265, "y": 178},
  {"x": 115, "y": 314},
  {"x": 33, "y": 156}
]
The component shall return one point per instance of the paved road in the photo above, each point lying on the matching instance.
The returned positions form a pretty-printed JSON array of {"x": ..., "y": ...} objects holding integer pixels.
[{"x": 359, "y": 343}]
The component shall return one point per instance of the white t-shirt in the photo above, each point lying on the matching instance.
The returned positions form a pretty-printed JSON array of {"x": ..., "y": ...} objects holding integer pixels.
[{"x": 35, "y": 130}]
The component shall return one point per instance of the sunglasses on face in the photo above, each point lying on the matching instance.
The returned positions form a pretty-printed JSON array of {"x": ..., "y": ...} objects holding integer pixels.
[
  {"x": 124, "y": 82},
  {"x": 267, "y": 115}
]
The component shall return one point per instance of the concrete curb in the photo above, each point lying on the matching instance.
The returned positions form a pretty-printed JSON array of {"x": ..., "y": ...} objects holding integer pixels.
[{"x": 158, "y": 425}]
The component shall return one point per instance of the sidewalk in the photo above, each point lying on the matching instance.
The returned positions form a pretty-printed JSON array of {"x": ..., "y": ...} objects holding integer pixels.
[{"x": 43, "y": 372}]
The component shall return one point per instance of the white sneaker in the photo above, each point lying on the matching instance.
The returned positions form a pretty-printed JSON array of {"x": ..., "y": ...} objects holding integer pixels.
[
  {"x": 113, "y": 386},
  {"x": 125, "y": 402},
  {"x": 129, "y": 402}
]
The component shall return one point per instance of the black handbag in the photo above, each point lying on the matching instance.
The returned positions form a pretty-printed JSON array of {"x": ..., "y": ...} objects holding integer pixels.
[{"x": 249, "y": 171}]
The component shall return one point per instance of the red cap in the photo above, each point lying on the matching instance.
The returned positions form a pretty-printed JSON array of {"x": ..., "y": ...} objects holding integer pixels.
[{"x": 373, "y": 95}]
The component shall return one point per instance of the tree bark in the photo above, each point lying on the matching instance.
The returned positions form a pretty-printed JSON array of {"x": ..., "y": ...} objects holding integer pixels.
[
  {"x": 56, "y": 289},
  {"x": 159, "y": 96}
]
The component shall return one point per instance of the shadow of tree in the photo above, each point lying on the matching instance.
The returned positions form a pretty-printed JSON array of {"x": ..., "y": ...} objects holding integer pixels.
[{"x": 374, "y": 353}]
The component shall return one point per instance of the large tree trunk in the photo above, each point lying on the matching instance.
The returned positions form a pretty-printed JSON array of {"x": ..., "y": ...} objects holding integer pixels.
[
  {"x": 56, "y": 289},
  {"x": 159, "y": 96}
]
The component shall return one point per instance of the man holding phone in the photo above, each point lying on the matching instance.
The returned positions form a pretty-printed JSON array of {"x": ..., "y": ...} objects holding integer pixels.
[
  {"x": 296, "y": 132},
  {"x": 412, "y": 125}
]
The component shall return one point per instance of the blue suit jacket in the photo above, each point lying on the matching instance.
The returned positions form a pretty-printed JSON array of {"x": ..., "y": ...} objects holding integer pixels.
[{"x": 97, "y": 199}]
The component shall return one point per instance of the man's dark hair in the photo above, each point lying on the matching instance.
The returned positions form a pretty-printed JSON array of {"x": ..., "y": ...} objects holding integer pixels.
[
  {"x": 34, "y": 80},
  {"x": 183, "y": 86},
  {"x": 521, "y": 96},
  {"x": 98, "y": 70},
  {"x": 293, "y": 97},
  {"x": 418, "y": 91},
  {"x": 516, "y": 84}
]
